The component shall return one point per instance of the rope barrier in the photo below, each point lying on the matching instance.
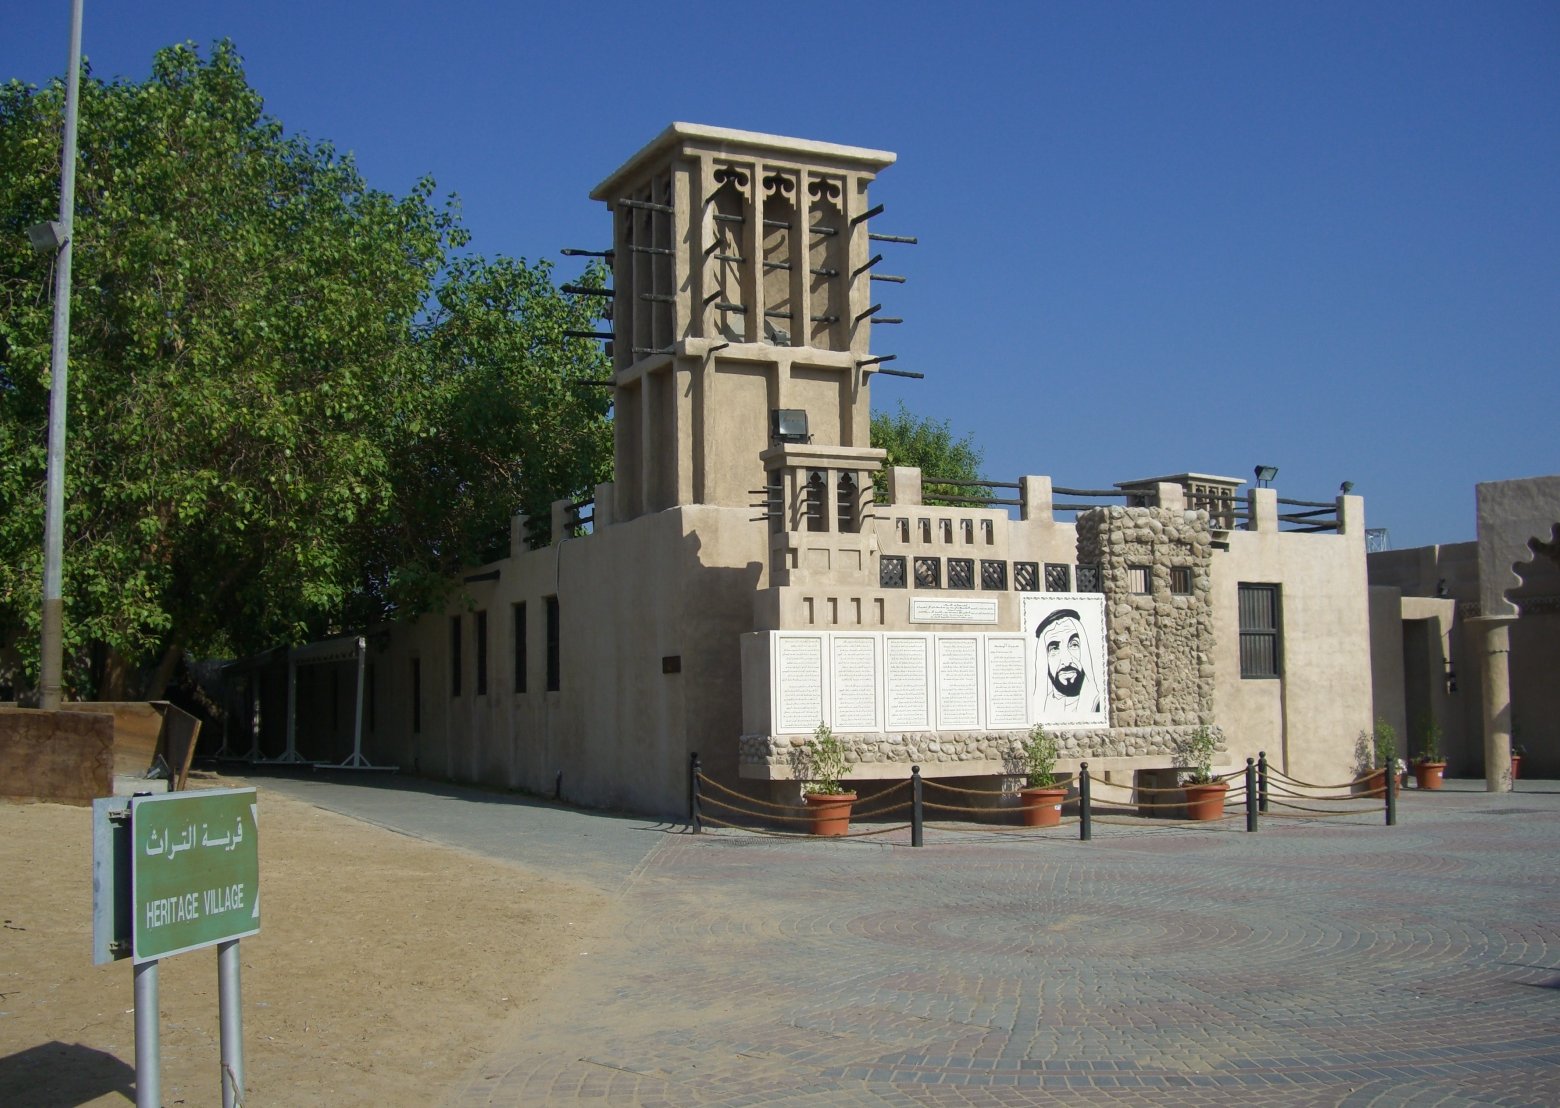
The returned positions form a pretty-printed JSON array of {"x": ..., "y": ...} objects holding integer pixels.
[
  {"x": 1278, "y": 773},
  {"x": 743, "y": 796},
  {"x": 927, "y": 804},
  {"x": 803, "y": 818},
  {"x": 1325, "y": 812},
  {"x": 865, "y": 814},
  {"x": 930, "y": 784},
  {"x": 1323, "y": 815}
]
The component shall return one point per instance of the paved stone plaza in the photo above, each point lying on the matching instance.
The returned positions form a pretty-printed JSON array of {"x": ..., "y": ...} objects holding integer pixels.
[{"x": 1334, "y": 962}]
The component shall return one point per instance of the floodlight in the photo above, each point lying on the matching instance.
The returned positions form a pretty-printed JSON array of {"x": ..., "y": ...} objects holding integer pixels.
[
  {"x": 1346, "y": 488},
  {"x": 788, "y": 425},
  {"x": 47, "y": 238},
  {"x": 1265, "y": 475}
]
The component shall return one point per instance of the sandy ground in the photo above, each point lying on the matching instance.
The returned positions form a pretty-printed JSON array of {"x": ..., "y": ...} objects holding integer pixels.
[{"x": 385, "y": 967}]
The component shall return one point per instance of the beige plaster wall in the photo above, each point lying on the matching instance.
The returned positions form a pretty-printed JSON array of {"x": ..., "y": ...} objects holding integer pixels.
[{"x": 1307, "y": 720}]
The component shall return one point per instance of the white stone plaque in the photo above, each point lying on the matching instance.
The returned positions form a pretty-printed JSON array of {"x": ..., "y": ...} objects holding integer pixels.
[
  {"x": 939, "y": 609},
  {"x": 907, "y": 680},
  {"x": 854, "y": 670},
  {"x": 1007, "y": 681},
  {"x": 798, "y": 682},
  {"x": 958, "y": 682}
]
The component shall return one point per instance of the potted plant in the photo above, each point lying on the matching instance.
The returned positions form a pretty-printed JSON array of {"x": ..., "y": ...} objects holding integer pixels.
[
  {"x": 1041, "y": 795},
  {"x": 1430, "y": 766},
  {"x": 1517, "y": 750},
  {"x": 1377, "y": 751},
  {"x": 1204, "y": 792},
  {"x": 827, "y": 798}
]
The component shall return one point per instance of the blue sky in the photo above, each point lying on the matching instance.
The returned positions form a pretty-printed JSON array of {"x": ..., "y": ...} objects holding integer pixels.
[{"x": 1155, "y": 237}]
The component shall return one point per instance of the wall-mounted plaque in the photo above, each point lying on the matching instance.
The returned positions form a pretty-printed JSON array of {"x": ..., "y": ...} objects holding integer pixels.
[
  {"x": 937, "y": 609},
  {"x": 907, "y": 679},
  {"x": 854, "y": 669},
  {"x": 958, "y": 682},
  {"x": 798, "y": 682},
  {"x": 1007, "y": 681}
]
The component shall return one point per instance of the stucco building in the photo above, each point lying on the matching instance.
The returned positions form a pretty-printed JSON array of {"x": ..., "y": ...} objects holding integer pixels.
[
  {"x": 1467, "y": 636},
  {"x": 740, "y": 580}
]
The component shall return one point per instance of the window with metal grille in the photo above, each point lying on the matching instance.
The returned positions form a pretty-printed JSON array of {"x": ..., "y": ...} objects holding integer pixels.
[
  {"x": 481, "y": 653},
  {"x": 416, "y": 696},
  {"x": 519, "y": 633},
  {"x": 928, "y": 573},
  {"x": 1260, "y": 654},
  {"x": 816, "y": 490},
  {"x": 1139, "y": 580},
  {"x": 1181, "y": 580},
  {"x": 1088, "y": 578},
  {"x": 845, "y": 502},
  {"x": 891, "y": 571},
  {"x": 554, "y": 651},
  {"x": 1026, "y": 576},
  {"x": 1058, "y": 577},
  {"x": 961, "y": 573},
  {"x": 455, "y": 665},
  {"x": 993, "y": 574}
]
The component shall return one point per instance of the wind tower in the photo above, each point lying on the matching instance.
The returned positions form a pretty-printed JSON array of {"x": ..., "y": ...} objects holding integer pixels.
[{"x": 741, "y": 323}]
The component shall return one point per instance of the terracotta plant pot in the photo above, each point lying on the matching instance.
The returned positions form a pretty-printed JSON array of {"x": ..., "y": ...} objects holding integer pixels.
[
  {"x": 1516, "y": 766},
  {"x": 1427, "y": 775},
  {"x": 1042, "y": 805},
  {"x": 1206, "y": 802},
  {"x": 830, "y": 812}
]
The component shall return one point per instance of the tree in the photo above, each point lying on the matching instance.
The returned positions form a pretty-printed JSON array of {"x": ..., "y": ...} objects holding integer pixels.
[
  {"x": 929, "y": 446},
  {"x": 289, "y": 398}
]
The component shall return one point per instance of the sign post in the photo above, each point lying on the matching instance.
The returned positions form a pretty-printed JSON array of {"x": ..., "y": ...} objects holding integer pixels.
[{"x": 194, "y": 881}]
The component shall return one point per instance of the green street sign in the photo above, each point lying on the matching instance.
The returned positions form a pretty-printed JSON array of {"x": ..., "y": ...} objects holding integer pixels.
[{"x": 195, "y": 870}]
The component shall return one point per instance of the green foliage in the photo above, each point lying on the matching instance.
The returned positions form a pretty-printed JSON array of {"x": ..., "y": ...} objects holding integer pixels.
[
  {"x": 1430, "y": 740},
  {"x": 929, "y": 446},
  {"x": 1195, "y": 753},
  {"x": 293, "y": 409},
  {"x": 822, "y": 763},
  {"x": 1383, "y": 743},
  {"x": 1039, "y": 758}
]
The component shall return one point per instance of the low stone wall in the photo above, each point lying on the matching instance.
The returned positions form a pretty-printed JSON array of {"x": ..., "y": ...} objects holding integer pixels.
[{"x": 963, "y": 752}]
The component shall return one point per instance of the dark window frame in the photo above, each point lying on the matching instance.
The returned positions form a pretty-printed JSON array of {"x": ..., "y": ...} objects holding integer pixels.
[
  {"x": 481, "y": 633},
  {"x": 455, "y": 658},
  {"x": 1260, "y": 610},
  {"x": 518, "y": 622},
  {"x": 554, "y": 645}
]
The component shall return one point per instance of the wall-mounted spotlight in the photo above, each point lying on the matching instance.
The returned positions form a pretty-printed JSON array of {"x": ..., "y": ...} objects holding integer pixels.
[
  {"x": 47, "y": 238},
  {"x": 1265, "y": 475},
  {"x": 788, "y": 425}
]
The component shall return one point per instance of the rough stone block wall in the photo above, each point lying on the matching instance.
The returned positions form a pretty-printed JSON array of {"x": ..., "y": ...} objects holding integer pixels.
[{"x": 1161, "y": 643}]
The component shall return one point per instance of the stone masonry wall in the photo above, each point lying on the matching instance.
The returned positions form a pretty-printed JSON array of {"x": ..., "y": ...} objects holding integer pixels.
[
  {"x": 931, "y": 749},
  {"x": 1161, "y": 643}
]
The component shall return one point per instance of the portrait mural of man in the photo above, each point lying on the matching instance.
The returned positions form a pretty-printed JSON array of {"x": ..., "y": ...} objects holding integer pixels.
[{"x": 1070, "y": 672}]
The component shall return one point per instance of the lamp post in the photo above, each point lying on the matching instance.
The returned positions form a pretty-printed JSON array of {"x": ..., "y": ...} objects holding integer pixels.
[{"x": 51, "y": 657}]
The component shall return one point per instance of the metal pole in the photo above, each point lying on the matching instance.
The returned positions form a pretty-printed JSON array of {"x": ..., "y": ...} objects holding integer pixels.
[
  {"x": 1251, "y": 795},
  {"x": 1085, "y": 817},
  {"x": 1262, "y": 782},
  {"x": 51, "y": 655},
  {"x": 695, "y": 816},
  {"x": 1391, "y": 791},
  {"x": 148, "y": 1051},
  {"x": 917, "y": 815},
  {"x": 230, "y": 1003}
]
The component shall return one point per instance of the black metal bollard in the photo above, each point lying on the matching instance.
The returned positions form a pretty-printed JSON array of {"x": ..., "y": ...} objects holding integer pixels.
[
  {"x": 695, "y": 816},
  {"x": 1085, "y": 817},
  {"x": 1251, "y": 795},
  {"x": 1262, "y": 781},
  {"x": 916, "y": 815},
  {"x": 1391, "y": 791}
]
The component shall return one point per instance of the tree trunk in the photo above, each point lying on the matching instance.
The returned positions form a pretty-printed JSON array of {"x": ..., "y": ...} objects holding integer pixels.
[
  {"x": 166, "y": 668},
  {"x": 113, "y": 672}
]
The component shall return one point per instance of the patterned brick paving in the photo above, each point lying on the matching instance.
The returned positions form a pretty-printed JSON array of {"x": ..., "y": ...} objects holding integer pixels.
[{"x": 1314, "y": 963}]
